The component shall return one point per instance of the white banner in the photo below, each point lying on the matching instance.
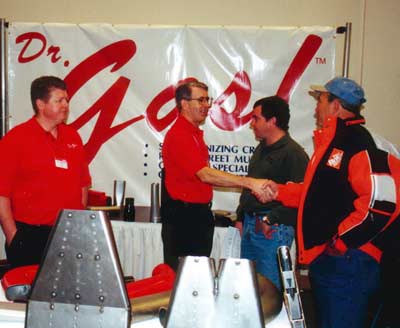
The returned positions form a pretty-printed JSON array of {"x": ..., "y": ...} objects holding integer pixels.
[{"x": 121, "y": 81}]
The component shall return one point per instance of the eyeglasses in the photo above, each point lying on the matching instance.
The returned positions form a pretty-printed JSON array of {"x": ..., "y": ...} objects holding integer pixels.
[{"x": 202, "y": 100}]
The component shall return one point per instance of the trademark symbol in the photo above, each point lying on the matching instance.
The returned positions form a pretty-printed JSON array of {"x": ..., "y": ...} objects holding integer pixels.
[{"x": 320, "y": 60}]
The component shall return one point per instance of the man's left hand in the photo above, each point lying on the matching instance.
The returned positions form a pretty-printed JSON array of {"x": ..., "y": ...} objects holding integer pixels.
[{"x": 239, "y": 226}]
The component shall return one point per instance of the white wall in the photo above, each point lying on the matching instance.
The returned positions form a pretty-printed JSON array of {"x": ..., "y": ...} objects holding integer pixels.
[
  {"x": 374, "y": 49},
  {"x": 381, "y": 67}
]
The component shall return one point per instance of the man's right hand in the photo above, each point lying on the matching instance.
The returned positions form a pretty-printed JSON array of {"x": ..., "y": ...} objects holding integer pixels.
[
  {"x": 10, "y": 236},
  {"x": 266, "y": 191},
  {"x": 6, "y": 219}
]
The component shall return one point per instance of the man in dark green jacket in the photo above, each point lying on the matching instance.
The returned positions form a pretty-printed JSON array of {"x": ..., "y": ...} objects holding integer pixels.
[{"x": 265, "y": 227}]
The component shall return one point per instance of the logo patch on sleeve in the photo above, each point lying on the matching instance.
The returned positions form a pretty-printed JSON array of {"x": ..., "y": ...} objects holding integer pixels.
[{"x": 335, "y": 159}]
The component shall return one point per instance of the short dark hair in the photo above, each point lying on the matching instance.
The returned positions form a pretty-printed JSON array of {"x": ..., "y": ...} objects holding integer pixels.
[
  {"x": 351, "y": 108},
  {"x": 184, "y": 91},
  {"x": 276, "y": 107},
  {"x": 42, "y": 87}
]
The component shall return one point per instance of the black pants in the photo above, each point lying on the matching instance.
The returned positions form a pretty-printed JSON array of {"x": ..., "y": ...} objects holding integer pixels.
[
  {"x": 187, "y": 229},
  {"x": 28, "y": 244}
]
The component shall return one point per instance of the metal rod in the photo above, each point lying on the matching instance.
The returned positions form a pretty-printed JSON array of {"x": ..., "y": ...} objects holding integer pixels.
[
  {"x": 3, "y": 110},
  {"x": 346, "y": 55}
]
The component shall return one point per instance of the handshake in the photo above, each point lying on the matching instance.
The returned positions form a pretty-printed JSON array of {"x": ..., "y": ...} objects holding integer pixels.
[{"x": 265, "y": 190}]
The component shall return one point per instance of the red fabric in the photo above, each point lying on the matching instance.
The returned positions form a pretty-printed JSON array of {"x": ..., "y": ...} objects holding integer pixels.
[
  {"x": 29, "y": 176},
  {"x": 340, "y": 246},
  {"x": 184, "y": 154},
  {"x": 290, "y": 193},
  {"x": 19, "y": 276},
  {"x": 96, "y": 198},
  {"x": 161, "y": 280}
]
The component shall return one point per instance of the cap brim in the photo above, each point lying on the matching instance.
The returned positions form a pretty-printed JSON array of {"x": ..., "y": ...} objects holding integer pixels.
[
  {"x": 314, "y": 94},
  {"x": 318, "y": 88}
]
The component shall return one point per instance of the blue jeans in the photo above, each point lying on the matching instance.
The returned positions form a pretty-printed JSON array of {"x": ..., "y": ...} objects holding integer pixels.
[
  {"x": 263, "y": 251},
  {"x": 343, "y": 287}
]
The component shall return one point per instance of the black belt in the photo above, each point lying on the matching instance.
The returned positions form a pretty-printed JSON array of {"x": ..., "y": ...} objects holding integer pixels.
[
  {"x": 258, "y": 214},
  {"x": 27, "y": 226},
  {"x": 177, "y": 202}
]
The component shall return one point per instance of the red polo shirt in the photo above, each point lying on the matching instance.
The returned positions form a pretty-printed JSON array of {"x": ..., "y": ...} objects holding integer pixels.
[
  {"x": 184, "y": 154},
  {"x": 41, "y": 174}
]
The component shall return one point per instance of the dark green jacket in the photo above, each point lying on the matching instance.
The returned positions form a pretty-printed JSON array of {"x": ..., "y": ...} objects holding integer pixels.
[{"x": 283, "y": 161}]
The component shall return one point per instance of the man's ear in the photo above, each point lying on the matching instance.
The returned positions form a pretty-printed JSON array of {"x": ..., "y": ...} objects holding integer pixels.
[
  {"x": 337, "y": 106},
  {"x": 39, "y": 104},
  {"x": 273, "y": 120},
  {"x": 184, "y": 104}
]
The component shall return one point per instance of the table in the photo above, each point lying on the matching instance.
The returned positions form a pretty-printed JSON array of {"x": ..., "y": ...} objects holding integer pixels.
[
  {"x": 140, "y": 246},
  {"x": 14, "y": 317}
]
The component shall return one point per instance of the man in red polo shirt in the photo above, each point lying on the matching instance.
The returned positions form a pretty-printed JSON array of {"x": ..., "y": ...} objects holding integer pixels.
[
  {"x": 188, "y": 223},
  {"x": 43, "y": 169}
]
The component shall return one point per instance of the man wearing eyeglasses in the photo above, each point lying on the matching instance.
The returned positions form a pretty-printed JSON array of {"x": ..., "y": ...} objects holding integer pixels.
[{"x": 187, "y": 220}]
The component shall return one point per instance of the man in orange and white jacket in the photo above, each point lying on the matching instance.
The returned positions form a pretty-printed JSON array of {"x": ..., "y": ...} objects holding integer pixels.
[{"x": 349, "y": 197}]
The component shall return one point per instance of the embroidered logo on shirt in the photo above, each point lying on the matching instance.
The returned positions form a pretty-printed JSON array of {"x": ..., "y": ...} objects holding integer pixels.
[
  {"x": 72, "y": 146},
  {"x": 335, "y": 159}
]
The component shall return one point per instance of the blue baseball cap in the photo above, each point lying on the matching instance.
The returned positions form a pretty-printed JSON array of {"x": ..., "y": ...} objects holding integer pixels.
[{"x": 345, "y": 89}]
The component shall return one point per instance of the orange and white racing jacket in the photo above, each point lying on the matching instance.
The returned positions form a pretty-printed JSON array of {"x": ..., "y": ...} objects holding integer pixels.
[{"x": 349, "y": 194}]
